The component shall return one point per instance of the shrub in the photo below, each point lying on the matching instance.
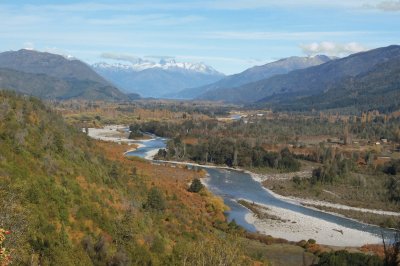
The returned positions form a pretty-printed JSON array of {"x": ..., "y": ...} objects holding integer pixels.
[
  {"x": 196, "y": 186},
  {"x": 343, "y": 257},
  {"x": 158, "y": 245},
  {"x": 392, "y": 168},
  {"x": 393, "y": 188},
  {"x": 311, "y": 241},
  {"x": 155, "y": 200},
  {"x": 297, "y": 180}
]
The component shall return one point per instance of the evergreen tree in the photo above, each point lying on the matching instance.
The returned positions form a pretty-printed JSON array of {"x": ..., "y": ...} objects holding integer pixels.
[
  {"x": 196, "y": 186},
  {"x": 155, "y": 200}
]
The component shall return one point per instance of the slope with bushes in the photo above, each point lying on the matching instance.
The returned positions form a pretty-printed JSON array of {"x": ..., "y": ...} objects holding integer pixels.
[{"x": 66, "y": 203}]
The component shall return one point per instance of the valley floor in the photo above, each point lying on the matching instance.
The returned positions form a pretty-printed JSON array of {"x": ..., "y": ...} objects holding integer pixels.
[
  {"x": 284, "y": 223},
  {"x": 337, "y": 199},
  {"x": 311, "y": 202}
]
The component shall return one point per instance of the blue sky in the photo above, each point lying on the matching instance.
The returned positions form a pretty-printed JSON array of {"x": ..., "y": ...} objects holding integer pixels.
[{"x": 228, "y": 35}]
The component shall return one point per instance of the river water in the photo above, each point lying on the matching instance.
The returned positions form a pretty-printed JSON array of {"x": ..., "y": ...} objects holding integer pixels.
[{"x": 232, "y": 185}]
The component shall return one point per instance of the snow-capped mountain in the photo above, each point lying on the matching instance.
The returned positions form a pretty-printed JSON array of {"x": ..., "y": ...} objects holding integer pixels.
[
  {"x": 169, "y": 64},
  {"x": 157, "y": 79}
]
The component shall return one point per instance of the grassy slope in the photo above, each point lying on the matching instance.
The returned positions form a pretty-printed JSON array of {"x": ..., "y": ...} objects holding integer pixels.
[
  {"x": 68, "y": 201},
  {"x": 47, "y": 87}
]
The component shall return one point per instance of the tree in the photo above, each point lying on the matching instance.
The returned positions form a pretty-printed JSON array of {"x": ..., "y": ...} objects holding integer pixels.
[
  {"x": 196, "y": 186},
  {"x": 155, "y": 200},
  {"x": 346, "y": 135},
  {"x": 392, "y": 168},
  {"x": 392, "y": 251},
  {"x": 393, "y": 187}
]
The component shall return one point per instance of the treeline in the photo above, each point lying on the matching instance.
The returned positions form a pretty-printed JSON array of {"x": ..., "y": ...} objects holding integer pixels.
[
  {"x": 230, "y": 152},
  {"x": 338, "y": 169},
  {"x": 282, "y": 130},
  {"x": 210, "y": 110},
  {"x": 335, "y": 164}
]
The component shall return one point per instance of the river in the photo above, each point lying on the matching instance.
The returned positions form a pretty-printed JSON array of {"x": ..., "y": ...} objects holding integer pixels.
[{"x": 232, "y": 185}]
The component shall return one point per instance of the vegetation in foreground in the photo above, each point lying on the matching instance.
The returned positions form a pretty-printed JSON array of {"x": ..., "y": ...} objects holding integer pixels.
[
  {"x": 66, "y": 194},
  {"x": 68, "y": 201},
  {"x": 63, "y": 193}
]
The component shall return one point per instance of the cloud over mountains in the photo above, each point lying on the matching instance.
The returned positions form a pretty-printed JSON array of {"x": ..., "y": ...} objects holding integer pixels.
[{"x": 332, "y": 48}]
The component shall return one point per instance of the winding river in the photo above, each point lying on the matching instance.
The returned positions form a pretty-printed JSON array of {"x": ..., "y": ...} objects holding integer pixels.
[{"x": 232, "y": 185}]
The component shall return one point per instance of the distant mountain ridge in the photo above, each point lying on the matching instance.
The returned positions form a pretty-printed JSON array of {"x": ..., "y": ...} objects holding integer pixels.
[
  {"x": 158, "y": 80},
  {"x": 376, "y": 89},
  {"x": 53, "y": 76},
  {"x": 53, "y": 65},
  {"x": 305, "y": 82},
  {"x": 256, "y": 73}
]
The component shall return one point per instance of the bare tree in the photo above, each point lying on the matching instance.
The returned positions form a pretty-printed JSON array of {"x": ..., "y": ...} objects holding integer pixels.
[{"x": 392, "y": 250}]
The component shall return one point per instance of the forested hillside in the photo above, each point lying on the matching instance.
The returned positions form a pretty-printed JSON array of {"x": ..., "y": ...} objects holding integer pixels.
[
  {"x": 378, "y": 89},
  {"x": 67, "y": 203},
  {"x": 315, "y": 81},
  {"x": 46, "y": 87},
  {"x": 255, "y": 73},
  {"x": 52, "y": 76}
]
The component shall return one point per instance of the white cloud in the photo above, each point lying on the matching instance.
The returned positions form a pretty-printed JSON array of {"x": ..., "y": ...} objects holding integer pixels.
[
  {"x": 386, "y": 6},
  {"x": 121, "y": 57},
  {"x": 192, "y": 58},
  {"x": 159, "y": 57},
  {"x": 29, "y": 46},
  {"x": 331, "y": 48},
  {"x": 198, "y": 58},
  {"x": 389, "y": 6},
  {"x": 308, "y": 35},
  {"x": 58, "y": 51}
]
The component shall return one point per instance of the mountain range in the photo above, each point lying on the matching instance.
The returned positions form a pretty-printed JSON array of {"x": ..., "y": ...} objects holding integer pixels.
[
  {"x": 363, "y": 80},
  {"x": 253, "y": 74},
  {"x": 151, "y": 79},
  {"x": 52, "y": 76},
  {"x": 376, "y": 89},
  {"x": 332, "y": 76}
]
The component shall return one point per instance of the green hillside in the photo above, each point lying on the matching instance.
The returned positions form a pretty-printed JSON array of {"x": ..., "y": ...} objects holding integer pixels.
[
  {"x": 378, "y": 89},
  {"x": 46, "y": 87},
  {"x": 52, "y": 76},
  {"x": 66, "y": 203}
]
